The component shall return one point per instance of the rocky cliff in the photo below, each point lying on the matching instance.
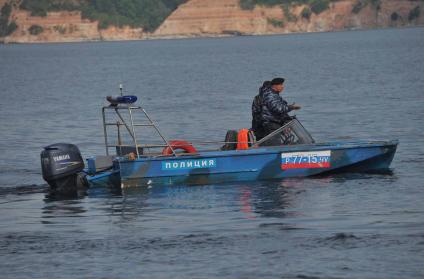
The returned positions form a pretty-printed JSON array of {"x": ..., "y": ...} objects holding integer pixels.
[
  {"x": 65, "y": 27},
  {"x": 205, "y": 18},
  {"x": 221, "y": 18}
]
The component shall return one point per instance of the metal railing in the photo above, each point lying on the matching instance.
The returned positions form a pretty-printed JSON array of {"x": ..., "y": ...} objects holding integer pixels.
[{"x": 130, "y": 127}]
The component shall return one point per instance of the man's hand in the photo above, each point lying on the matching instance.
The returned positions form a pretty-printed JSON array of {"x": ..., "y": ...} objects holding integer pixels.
[{"x": 294, "y": 106}]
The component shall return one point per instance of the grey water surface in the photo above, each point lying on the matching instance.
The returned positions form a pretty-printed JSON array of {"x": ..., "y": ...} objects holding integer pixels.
[{"x": 351, "y": 85}]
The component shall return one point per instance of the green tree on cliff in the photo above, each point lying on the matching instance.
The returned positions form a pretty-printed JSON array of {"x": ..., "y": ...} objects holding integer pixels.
[
  {"x": 148, "y": 14},
  {"x": 316, "y": 6},
  {"x": 6, "y": 28}
]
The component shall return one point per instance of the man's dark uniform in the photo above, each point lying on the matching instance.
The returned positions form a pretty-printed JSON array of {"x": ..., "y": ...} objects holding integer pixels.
[
  {"x": 257, "y": 122},
  {"x": 274, "y": 113}
]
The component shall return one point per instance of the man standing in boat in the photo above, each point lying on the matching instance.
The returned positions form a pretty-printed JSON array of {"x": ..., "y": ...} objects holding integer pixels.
[
  {"x": 257, "y": 127},
  {"x": 275, "y": 109}
]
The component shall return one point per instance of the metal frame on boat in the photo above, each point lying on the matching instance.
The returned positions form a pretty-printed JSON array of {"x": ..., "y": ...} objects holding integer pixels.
[{"x": 131, "y": 129}]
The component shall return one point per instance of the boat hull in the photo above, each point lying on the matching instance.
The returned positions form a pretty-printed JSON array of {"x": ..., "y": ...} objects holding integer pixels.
[{"x": 256, "y": 164}]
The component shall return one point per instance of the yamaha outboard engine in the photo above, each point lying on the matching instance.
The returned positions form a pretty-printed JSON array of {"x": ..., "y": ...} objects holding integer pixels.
[{"x": 62, "y": 166}]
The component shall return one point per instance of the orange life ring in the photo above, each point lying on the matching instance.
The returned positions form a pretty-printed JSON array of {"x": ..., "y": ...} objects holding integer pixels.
[
  {"x": 179, "y": 144},
  {"x": 243, "y": 139}
]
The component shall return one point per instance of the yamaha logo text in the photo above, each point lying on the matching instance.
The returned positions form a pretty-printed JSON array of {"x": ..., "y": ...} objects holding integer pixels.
[{"x": 61, "y": 158}]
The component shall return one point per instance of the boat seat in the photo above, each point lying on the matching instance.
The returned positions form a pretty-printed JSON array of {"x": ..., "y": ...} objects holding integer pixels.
[
  {"x": 125, "y": 150},
  {"x": 99, "y": 163},
  {"x": 230, "y": 140}
]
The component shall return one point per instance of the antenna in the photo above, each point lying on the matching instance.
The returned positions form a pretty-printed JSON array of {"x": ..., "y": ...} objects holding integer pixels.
[{"x": 120, "y": 88}]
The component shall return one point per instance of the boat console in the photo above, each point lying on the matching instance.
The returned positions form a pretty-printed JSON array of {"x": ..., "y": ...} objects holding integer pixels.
[{"x": 291, "y": 133}]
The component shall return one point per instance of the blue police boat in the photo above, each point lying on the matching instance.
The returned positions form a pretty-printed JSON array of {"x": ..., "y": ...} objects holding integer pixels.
[{"x": 131, "y": 160}]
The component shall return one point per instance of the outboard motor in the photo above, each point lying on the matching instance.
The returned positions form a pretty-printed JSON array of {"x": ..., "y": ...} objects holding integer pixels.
[{"x": 62, "y": 166}]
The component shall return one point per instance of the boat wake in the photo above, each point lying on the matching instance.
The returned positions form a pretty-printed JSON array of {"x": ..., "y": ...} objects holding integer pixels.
[{"x": 24, "y": 189}]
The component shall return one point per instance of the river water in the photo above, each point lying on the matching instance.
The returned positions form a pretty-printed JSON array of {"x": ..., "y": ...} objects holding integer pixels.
[{"x": 351, "y": 85}]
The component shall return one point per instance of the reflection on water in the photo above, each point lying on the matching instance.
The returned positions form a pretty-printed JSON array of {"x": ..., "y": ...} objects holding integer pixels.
[
  {"x": 192, "y": 226},
  {"x": 273, "y": 199},
  {"x": 246, "y": 200},
  {"x": 62, "y": 208}
]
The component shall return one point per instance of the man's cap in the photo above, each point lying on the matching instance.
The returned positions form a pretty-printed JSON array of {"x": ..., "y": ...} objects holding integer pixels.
[
  {"x": 276, "y": 81},
  {"x": 266, "y": 83}
]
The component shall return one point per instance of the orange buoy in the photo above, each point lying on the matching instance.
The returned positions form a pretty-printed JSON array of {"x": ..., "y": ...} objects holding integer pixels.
[
  {"x": 243, "y": 139},
  {"x": 179, "y": 144}
]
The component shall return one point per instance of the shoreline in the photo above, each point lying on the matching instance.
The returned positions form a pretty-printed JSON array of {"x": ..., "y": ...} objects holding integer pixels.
[{"x": 3, "y": 40}]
